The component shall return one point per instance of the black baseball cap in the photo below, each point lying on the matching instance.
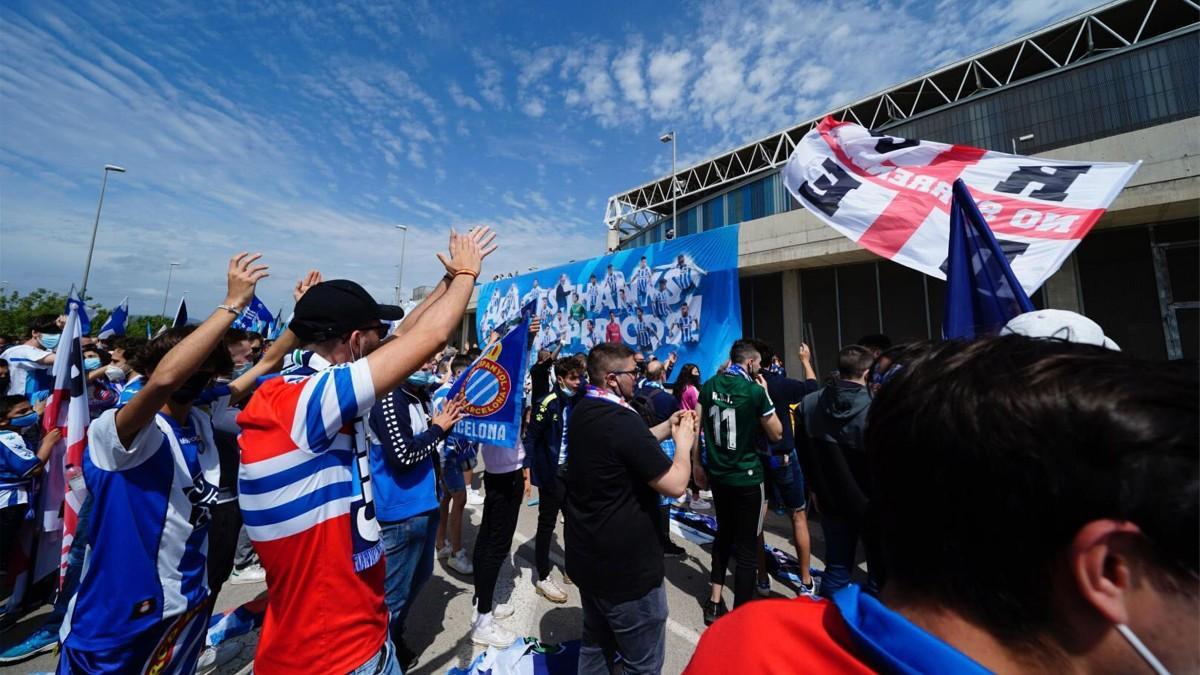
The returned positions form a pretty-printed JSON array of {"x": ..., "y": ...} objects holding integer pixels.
[{"x": 337, "y": 307}]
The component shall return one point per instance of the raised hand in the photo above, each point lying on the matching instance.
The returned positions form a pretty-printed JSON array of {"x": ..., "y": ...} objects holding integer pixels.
[
  {"x": 467, "y": 251},
  {"x": 306, "y": 282},
  {"x": 450, "y": 413},
  {"x": 243, "y": 277},
  {"x": 805, "y": 353}
]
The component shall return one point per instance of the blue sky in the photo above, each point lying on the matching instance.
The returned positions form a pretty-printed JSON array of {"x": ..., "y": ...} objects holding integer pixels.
[{"x": 310, "y": 130}]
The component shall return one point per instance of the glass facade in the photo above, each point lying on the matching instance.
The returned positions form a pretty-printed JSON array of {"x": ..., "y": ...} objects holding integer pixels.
[{"x": 1151, "y": 84}]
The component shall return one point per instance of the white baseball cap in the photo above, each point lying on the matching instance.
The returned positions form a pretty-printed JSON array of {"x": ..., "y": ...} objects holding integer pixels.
[{"x": 1060, "y": 324}]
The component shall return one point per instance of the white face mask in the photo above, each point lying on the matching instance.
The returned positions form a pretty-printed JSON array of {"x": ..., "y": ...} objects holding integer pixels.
[{"x": 114, "y": 374}]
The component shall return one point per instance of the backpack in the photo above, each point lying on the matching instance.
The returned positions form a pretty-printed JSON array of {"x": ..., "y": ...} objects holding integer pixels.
[{"x": 643, "y": 404}]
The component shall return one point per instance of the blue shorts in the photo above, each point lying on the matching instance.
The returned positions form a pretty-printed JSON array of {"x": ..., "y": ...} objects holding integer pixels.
[
  {"x": 171, "y": 646},
  {"x": 785, "y": 482},
  {"x": 452, "y": 476}
]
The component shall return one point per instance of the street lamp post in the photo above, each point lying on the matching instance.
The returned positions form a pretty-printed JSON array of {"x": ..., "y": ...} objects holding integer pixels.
[
  {"x": 87, "y": 268},
  {"x": 1020, "y": 139},
  {"x": 669, "y": 137},
  {"x": 170, "y": 273},
  {"x": 400, "y": 272}
]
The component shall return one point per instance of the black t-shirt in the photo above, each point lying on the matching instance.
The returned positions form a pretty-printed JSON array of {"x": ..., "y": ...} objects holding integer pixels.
[
  {"x": 539, "y": 375},
  {"x": 612, "y": 540}
]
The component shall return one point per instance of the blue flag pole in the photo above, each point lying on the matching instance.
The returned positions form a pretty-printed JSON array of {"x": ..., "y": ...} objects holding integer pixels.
[{"x": 982, "y": 293}]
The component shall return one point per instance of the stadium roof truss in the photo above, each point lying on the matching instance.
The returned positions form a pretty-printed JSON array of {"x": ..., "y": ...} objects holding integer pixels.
[{"x": 1114, "y": 26}]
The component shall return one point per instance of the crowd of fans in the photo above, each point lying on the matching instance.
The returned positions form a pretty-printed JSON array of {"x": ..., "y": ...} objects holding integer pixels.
[{"x": 1024, "y": 502}]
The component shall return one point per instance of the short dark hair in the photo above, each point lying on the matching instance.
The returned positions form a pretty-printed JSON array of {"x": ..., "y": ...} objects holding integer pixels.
[
  {"x": 764, "y": 350},
  {"x": 979, "y": 449},
  {"x": 460, "y": 361},
  {"x": 854, "y": 360},
  {"x": 235, "y": 335},
  {"x": 742, "y": 351},
  {"x": 7, "y": 403},
  {"x": 148, "y": 358},
  {"x": 603, "y": 359},
  {"x": 43, "y": 323},
  {"x": 876, "y": 342},
  {"x": 566, "y": 365},
  {"x": 104, "y": 356}
]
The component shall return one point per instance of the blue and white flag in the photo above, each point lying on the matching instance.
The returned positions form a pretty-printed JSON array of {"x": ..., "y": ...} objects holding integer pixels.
[
  {"x": 254, "y": 316},
  {"x": 114, "y": 325},
  {"x": 679, "y": 295},
  {"x": 180, "y": 314},
  {"x": 982, "y": 293},
  {"x": 85, "y": 322},
  {"x": 494, "y": 386}
]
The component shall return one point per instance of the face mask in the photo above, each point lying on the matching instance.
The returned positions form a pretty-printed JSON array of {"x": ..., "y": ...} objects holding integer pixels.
[
  {"x": 421, "y": 378},
  {"x": 49, "y": 340},
  {"x": 23, "y": 421},
  {"x": 114, "y": 374},
  {"x": 568, "y": 391},
  {"x": 238, "y": 371},
  {"x": 191, "y": 389},
  {"x": 91, "y": 363}
]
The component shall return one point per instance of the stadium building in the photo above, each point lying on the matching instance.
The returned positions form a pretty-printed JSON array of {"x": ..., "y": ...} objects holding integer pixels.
[{"x": 1117, "y": 83}]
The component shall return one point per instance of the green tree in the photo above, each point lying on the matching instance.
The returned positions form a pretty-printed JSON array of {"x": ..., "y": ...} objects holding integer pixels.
[{"x": 16, "y": 309}]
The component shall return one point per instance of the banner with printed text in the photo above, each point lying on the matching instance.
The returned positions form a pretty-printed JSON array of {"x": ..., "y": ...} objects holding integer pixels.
[
  {"x": 674, "y": 296},
  {"x": 892, "y": 196}
]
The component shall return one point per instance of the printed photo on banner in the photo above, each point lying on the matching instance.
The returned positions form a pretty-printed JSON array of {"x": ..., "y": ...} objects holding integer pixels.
[{"x": 676, "y": 296}]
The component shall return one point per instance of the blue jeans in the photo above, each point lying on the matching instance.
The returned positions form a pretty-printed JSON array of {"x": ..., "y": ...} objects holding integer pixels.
[
  {"x": 408, "y": 555},
  {"x": 383, "y": 663},
  {"x": 841, "y": 542},
  {"x": 637, "y": 629}
]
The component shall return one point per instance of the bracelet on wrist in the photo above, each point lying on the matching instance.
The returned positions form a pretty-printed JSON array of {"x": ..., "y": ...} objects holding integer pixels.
[
  {"x": 474, "y": 275},
  {"x": 232, "y": 309}
]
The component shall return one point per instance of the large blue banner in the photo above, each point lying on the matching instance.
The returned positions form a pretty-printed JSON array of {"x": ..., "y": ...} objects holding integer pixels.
[
  {"x": 494, "y": 388},
  {"x": 674, "y": 296}
]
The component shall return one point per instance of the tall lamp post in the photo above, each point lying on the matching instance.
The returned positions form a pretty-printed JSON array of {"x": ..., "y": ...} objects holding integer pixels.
[
  {"x": 1020, "y": 139},
  {"x": 400, "y": 272},
  {"x": 669, "y": 137},
  {"x": 87, "y": 268},
  {"x": 170, "y": 273}
]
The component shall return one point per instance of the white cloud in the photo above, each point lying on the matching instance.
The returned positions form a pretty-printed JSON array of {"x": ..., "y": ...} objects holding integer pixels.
[
  {"x": 461, "y": 99},
  {"x": 534, "y": 107},
  {"x": 669, "y": 74},
  {"x": 490, "y": 80},
  {"x": 627, "y": 68}
]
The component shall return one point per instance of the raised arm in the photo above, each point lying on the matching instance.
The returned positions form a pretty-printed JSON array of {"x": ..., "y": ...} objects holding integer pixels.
[
  {"x": 413, "y": 317},
  {"x": 403, "y": 355},
  {"x": 272, "y": 360},
  {"x": 182, "y": 361}
]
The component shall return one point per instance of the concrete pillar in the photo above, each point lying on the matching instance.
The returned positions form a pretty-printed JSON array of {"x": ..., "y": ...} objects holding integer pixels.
[
  {"x": 614, "y": 240},
  {"x": 1062, "y": 288},
  {"x": 793, "y": 322}
]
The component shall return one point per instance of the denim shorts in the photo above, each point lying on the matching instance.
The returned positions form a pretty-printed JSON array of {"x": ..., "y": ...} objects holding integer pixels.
[
  {"x": 452, "y": 475},
  {"x": 786, "y": 489}
]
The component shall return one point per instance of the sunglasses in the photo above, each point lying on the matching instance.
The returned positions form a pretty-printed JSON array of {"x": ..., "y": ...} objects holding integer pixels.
[{"x": 624, "y": 372}]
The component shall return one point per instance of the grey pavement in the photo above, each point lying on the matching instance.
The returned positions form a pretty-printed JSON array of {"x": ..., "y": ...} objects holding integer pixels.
[{"x": 439, "y": 623}]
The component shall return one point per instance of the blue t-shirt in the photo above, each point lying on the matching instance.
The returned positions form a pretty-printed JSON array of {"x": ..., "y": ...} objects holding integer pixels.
[
  {"x": 148, "y": 531},
  {"x": 17, "y": 464}
]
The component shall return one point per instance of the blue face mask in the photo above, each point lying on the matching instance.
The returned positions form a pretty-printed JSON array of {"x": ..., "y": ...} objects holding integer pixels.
[
  {"x": 238, "y": 371},
  {"x": 50, "y": 340},
  {"x": 91, "y": 363},
  {"x": 421, "y": 378},
  {"x": 24, "y": 421}
]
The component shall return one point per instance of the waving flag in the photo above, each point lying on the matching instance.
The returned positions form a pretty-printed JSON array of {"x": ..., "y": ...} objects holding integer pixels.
[
  {"x": 180, "y": 314},
  {"x": 892, "y": 196},
  {"x": 68, "y": 412},
  {"x": 494, "y": 386},
  {"x": 115, "y": 324},
  {"x": 73, "y": 300},
  {"x": 982, "y": 292},
  {"x": 255, "y": 314}
]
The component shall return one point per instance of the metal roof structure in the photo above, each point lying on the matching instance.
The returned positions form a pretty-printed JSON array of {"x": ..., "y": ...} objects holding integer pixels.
[{"x": 1111, "y": 27}]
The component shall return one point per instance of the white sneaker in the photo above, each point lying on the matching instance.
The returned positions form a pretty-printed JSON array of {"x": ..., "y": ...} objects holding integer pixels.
[
  {"x": 215, "y": 657},
  {"x": 550, "y": 591},
  {"x": 700, "y": 505},
  {"x": 444, "y": 552},
  {"x": 491, "y": 634},
  {"x": 474, "y": 497},
  {"x": 459, "y": 562},
  {"x": 706, "y": 494},
  {"x": 253, "y": 574}
]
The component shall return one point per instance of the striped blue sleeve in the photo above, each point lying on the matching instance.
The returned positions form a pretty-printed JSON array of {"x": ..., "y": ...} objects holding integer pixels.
[{"x": 330, "y": 400}]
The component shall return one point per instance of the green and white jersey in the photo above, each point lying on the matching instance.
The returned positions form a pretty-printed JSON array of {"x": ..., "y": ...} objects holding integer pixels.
[{"x": 733, "y": 406}]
